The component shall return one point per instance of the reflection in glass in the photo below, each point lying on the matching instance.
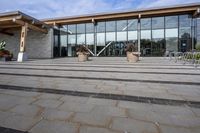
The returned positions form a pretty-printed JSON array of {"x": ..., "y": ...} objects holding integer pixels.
[
  {"x": 121, "y": 36},
  {"x": 158, "y": 23},
  {"x": 172, "y": 44},
  {"x": 90, "y": 39},
  {"x": 110, "y": 36},
  {"x": 72, "y": 39},
  {"x": 80, "y": 28},
  {"x": 185, "y": 21},
  {"x": 80, "y": 39},
  {"x": 198, "y": 31},
  {"x": 100, "y": 39},
  {"x": 101, "y": 27},
  {"x": 158, "y": 47},
  {"x": 146, "y": 23},
  {"x": 185, "y": 32},
  {"x": 171, "y": 22},
  {"x": 122, "y": 25},
  {"x": 89, "y": 28},
  {"x": 171, "y": 32},
  {"x": 145, "y": 34},
  {"x": 132, "y": 35},
  {"x": 63, "y": 45},
  {"x": 158, "y": 33},
  {"x": 110, "y": 26},
  {"x": 132, "y": 24},
  {"x": 72, "y": 29}
]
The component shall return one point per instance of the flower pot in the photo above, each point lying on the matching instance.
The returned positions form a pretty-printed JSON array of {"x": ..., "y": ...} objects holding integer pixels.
[
  {"x": 132, "y": 56},
  {"x": 82, "y": 56}
]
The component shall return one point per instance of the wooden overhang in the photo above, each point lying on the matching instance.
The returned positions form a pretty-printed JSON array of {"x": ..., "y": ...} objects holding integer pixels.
[
  {"x": 151, "y": 12},
  {"x": 18, "y": 19}
]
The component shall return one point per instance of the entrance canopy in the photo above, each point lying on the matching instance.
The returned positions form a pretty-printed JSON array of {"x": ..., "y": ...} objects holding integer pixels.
[
  {"x": 18, "y": 19},
  {"x": 11, "y": 21}
]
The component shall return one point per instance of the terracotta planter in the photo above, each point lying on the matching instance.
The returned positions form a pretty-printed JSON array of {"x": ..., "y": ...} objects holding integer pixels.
[
  {"x": 132, "y": 56},
  {"x": 82, "y": 56}
]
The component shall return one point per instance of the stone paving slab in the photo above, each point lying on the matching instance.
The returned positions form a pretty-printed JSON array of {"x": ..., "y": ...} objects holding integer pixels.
[
  {"x": 49, "y": 103},
  {"x": 54, "y": 127},
  {"x": 55, "y": 114},
  {"x": 42, "y": 112},
  {"x": 133, "y": 126},
  {"x": 92, "y": 119}
]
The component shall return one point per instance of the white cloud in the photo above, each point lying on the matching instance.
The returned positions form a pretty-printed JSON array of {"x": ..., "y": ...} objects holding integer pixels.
[{"x": 60, "y": 8}]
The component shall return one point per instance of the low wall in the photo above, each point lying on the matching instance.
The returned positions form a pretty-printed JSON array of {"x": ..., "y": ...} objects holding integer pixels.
[{"x": 38, "y": 45}]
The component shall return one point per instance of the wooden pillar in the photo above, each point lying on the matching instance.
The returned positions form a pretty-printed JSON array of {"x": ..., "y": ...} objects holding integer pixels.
[
  {"x": 22, "y": 56},
  {"x": 23, "y": 38}
]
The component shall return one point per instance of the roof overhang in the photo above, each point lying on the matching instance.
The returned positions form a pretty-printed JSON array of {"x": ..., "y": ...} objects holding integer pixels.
[
  {"x": 10, "y": 20},
  {"x": 172, "y": 10}
]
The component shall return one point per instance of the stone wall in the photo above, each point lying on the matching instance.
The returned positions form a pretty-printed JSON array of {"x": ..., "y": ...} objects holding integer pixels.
[{"x": 38, "y": 45}]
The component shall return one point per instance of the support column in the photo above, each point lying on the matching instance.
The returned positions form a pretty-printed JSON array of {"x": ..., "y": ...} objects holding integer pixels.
[
  {"x": 139, "y": 31},
  {"x": 22, "y": 56}
]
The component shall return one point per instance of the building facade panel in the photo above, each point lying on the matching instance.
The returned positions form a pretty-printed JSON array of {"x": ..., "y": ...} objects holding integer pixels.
[{"x": 157, "y": 35}]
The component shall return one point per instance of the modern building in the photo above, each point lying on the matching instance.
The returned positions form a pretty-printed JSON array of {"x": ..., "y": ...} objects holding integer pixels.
[{"x": 154, "y": 31}]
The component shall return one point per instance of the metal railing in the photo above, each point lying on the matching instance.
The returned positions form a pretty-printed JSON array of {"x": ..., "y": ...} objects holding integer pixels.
[{"x": 192, "y": 58}]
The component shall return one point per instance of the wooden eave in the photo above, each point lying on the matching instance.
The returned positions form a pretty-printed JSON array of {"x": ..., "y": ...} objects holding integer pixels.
[
  {"x": 123, "y": 15},
  {"x": 18, "y": 19}
]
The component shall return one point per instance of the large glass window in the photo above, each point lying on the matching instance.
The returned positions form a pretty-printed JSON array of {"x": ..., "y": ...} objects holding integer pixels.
[
  {"x": 146, "y": 23},
  {"x": 110, "y": 26},
  {"x": 72, "y": 40},
  {"x": 100, "y": 39},
  {"x": 185, "y": 23},
  {"x": 146, "y": 34},
  {"x": 198, "y": 31},
  {"x": 80, "y": 39},
  {"x": 72, "y": 29},
  {"x": 80, "y": 28},
  {"x": 171, "y": 39},
  {"x": 89, "y": 28},
  {"x": 90, "y": 36},
  {"x": 158, "y": 33},
  {"x": 158, "y": 23},
  {"x": 171, "y": 22},
  {"x": 110, "y": 36},
  {"x": 101, "y": 27},
  {"x": 122, "y": 30},
  {"x": 171, "y": 33},
  {"x": 132, "y": 24},
  {"x": 132, "y": 30},
  {"x": 185, "y": 20},
  {"x": 122, "y": 25}
]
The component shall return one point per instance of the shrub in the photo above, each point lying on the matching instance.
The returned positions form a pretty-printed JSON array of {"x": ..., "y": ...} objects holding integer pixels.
[
  {"x": 81, "y": 48},
  {"x": 130, "y": 48}
]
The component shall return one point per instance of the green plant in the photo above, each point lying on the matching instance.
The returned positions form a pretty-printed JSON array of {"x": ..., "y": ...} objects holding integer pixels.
[
  {"x": 198, "y": 47},
  {"x": 82, "y": 48},
  {"x": 130, "y": 47},
  {"x": 2, "y": 45}
]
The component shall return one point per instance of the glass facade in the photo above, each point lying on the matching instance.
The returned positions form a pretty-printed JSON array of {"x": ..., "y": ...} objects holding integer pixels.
[{"x": 109, "y": 38}]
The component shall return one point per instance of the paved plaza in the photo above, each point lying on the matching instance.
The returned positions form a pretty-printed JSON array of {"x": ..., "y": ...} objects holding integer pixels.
[{"x": 103, "y": 95}]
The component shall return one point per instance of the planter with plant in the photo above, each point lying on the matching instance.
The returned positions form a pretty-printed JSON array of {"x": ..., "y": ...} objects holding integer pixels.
[
  {"x": 5, "y": 55},
  {"x": 82, "y": 53},
  {"x": 131, "y": 53}
]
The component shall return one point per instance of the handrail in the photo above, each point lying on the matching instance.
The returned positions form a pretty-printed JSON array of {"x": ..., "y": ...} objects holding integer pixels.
[
  {"x": 104, "y": 48},
  {"x": 89, "y": 50}
]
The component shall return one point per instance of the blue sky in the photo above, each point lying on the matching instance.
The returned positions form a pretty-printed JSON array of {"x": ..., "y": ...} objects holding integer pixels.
[{"x": 60, "y": 8}]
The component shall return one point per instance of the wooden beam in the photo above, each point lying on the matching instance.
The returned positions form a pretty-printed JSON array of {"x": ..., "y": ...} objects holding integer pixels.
[
  {"x": 33, "y": 27},
  {"x": 115, "y": 16},
  {"x": 6, "y": 33},
  {"x": 9, "y": 26},
  {"x": 197, "y": 13},
  {"x": 23, "y": 37},
  {"x": 10, "y": 18}
]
